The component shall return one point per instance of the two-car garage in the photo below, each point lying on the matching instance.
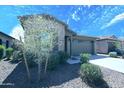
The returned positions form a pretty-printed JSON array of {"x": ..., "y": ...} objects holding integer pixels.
[{"x": 83, "y": 44}]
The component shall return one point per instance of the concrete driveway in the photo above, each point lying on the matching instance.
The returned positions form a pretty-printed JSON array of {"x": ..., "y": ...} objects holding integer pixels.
[{"x": 116, "y": 64}]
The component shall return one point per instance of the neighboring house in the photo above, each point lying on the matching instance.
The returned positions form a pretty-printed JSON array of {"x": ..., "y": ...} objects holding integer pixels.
[
  {"x": 122, "y": 44},
  {"x": 6, "y": 40},
  {"x": 106, "y": 44},
  {"x": 68, "y": 40}
]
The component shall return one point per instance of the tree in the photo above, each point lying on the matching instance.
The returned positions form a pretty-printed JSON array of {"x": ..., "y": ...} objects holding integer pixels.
[
  {"x": 40, "y": 39},
  {"x": 117, "y": 45},
  {"x": 20, "y": 49},
  {"x": 25, "y": 60}
]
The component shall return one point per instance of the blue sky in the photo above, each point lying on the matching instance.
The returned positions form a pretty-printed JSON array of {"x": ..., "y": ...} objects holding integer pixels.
[{"x": 85, "y": 20}]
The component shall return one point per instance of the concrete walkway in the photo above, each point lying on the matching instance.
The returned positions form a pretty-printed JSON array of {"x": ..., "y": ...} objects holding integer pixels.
[
  {"x": 116, "y": 64},
  {"x": 74, "y": 60},
  {"x": 5, "y": 69}
]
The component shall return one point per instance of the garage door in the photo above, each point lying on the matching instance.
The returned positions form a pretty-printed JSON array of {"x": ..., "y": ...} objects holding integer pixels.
[{"x": 81, "y": 46}]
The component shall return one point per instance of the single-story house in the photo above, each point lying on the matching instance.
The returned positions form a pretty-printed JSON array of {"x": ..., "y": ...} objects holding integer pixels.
[
  {"x": 122, "y": 44},
  {"x": 105, "y": 44},
  {"x": 68, "y": 40},
  {"x": 6, "y": 40}
]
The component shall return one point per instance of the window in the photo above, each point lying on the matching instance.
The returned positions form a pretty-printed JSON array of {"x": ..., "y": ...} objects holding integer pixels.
[
  {"x": 0, "y": 41},
  {"x": 7, "y": 43}
]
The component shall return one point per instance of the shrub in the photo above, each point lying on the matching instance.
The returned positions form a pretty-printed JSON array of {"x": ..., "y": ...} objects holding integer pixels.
[
  {"x": 1, "y": 51},
  {"x": 122, "y": 53},
  {"x": 53, "y": 61},
  {"x": 84, "y": 57},
  {"x": 113, "y": 54},
  {"x": 123, "y": 56},
  {"x": 9, "y": 52},
  {"x": 90, "y": 73},
  {"x": 17, "y": 56},
  {"x": 17, "y": 45},
  {"x": 31, "y": 58},
  {"x": 119, "y": 52},
  {"x": 63, "y": 57}
]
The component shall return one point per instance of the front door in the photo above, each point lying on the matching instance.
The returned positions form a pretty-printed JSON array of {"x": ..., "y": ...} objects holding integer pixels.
[{"x": 67, "y": 45}]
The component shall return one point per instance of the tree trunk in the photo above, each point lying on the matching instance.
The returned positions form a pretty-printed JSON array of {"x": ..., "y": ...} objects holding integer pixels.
[
  {"x": 46, "y": 64},
  {"x": 25, "y": 61},
  {"x": 26, "y": 65},
  {"x": 39, "y": 71}
]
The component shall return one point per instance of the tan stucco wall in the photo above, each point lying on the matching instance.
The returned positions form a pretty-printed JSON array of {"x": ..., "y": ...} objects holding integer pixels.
[
  {"x": 61, "y": 37},
  {"x": 102, "y": 46},
  {"x": 122, "y": 44},
  {"x": 39, "y": 22}
]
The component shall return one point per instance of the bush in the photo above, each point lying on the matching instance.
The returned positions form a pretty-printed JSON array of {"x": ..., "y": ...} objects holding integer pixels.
[
  {"x": 17, "y": 45},
  {"x": 1, "y": 51},
  {"x": 113, "y": 54},
  {"x": 123, "y": 56},
  {"x": 119, "y": 52},
  {"x": 31, "y": 59},
  {"x": 63, "y": 57},
  {"x": 9, "y": 52},
  {"x": 17, "y": 56},
  {"x": 84, "y": 57},
  {"x": 90, "y": 73},
  {"x": 53, "y": 61}
]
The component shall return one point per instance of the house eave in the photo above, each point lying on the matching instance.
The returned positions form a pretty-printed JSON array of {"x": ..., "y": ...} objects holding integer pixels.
[
  {"x": 108, "y": 39},
  {"x": 82, "y": 37},
  {"x": 6, "y": 35}
]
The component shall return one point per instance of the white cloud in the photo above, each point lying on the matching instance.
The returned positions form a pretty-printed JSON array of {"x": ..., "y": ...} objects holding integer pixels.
[
  {"x": 68, "y": 21},
  {"x": 116, "y": 19},
  {"x": 75, "y": 17},
  {"x": 17, "y": 31}
]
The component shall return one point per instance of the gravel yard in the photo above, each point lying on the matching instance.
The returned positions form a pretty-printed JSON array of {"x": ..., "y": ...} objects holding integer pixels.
[{"x": 64, "y": 76}]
